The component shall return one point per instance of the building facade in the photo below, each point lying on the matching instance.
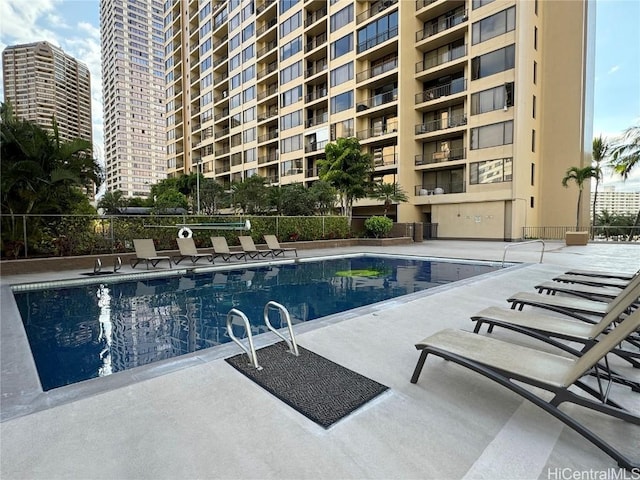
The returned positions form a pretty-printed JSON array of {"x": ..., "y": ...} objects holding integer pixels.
[
  {"x": 133, "y": 95},
  {"x": 446, "y": 95},
  {"x": 618, "y": 203},
  {"x": 42, "y": 82}
]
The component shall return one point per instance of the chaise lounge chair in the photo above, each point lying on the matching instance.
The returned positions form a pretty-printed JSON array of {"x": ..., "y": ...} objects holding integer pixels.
[
  {"x": 221, "y": 249},
  {"x": 188, "y": 250},
  {"x": 146, "y": 252},
  {"x": 592, "y": 292},
  {"x": 590, "y": 280},
  {"x": 505, "y": 363},
  {"x": 579, "y": 308},
  {"x": 603, "y": 274},
  {"x": 250, "y": 249},
  {"x": 274, "y": 246}
]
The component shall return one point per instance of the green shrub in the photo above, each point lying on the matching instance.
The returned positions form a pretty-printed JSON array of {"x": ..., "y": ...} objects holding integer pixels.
[{"x": 378, "y": 226}]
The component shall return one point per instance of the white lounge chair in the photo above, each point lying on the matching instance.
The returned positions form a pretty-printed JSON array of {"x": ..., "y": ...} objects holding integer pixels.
[
  {"x": 249, "y": 248},
  {"x": 188, "y": 250},
  {"x": 274, "y": 246},
  {"x": 221, "y": 249}
]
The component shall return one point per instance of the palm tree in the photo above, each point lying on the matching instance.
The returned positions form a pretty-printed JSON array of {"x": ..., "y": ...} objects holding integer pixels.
[
  {"x": 624, "y": 158},
  {"x": 389, "y": 193},
  {"x": 580, "y": 176},
  {"x": 600, "y": 149},
  {"x": 348, "y": 170}
]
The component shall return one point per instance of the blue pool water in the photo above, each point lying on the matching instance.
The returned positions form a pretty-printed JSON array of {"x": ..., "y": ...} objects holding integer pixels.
[{"x": 95, "y": 330}]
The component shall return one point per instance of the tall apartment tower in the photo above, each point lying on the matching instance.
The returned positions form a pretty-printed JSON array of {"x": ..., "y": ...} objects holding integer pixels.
[
  {"x": 133, "y": 95},
  {"x": 42, "y": 82},
  {"x": 476, "y": 108}
]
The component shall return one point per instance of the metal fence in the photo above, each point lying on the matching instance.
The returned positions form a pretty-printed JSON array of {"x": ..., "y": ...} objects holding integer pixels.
[{"x": 597, "y": 233}]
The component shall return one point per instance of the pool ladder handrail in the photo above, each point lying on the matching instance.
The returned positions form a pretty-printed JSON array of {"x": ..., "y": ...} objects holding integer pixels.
[
  {"x": 251, "y": 351},
  {"x": 522, "y": 243}
]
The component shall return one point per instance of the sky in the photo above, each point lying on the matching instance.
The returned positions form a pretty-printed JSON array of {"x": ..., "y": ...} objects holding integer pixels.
[{"x": 73, "y": 25}]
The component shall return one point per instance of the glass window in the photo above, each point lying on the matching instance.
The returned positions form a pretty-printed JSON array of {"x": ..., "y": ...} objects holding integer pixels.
[
  {"x": 342, "y": 102},
  {"x": 249, "y": 114},
  {"x": 289, "y": 73},
  {"x": 378, "y": 32},
  {"x": 236, "y": 120},
  {"x": 342, "y": 46},
  {"x": 250, "y": 155},
  {"x": 291, "y": 96},
  {"x": 248, "y": 53},
  {"x": 290, "y": 24},
  {"x": 492, "y": 135},
  {"x": 235, "y": 101},
  {"x": 234, "y": 42},
  {"x": 234, "y": 62},
  {"x": 291, "y": 48},
  {"x": 342, "y": 74},
  {"x": 342, "y": 129},
  {"x": 234, "y": 22},
  {"x": 249, "y": 94},
  {"x": 248, "y": 73},
  {"x": 498, "y": 24},
  {"x": 247, "y": 10},
  {"x": 235, "y": 82},
  {"x": 479, "y": 3},
  {"x": 341, "y": 18},
  {"x": 493, "y": 62},
  {"x": 291, "y": 120},
  {"x": 286, "y": 5},
  {"x": 247, "y": 32},
  {"x": 491, "y": 171},
  {"x": 493, "y": 99},
  {"x": 291, "y": 144},
  {"x": 249, "y": 135}
]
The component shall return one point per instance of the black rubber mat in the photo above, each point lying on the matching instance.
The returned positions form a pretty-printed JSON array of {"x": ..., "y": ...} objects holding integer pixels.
[{"x": 320, "y": 389}]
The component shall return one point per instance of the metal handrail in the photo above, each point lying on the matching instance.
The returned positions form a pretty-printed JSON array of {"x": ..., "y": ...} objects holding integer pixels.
[
  {"x": 293, "y": 347},
  {"x": 522, "y": 243},
  {"x": 251, "y": 352}
]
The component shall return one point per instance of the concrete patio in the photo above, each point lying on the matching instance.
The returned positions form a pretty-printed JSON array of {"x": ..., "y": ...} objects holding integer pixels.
[{"x": 196, "y": 417}]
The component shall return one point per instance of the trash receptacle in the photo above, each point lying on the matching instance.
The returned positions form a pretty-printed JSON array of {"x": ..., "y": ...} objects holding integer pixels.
[{"x": 417, "y": 231}]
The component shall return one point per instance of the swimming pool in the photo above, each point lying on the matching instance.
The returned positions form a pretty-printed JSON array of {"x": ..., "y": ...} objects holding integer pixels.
[{"x": 93, "y": 330}]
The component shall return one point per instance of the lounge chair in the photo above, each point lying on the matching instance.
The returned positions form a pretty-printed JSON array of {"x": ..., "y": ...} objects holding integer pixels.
[
  {"x": 589, "y": 280},
  {"x": 221, "y": 249},
  {"x": 548, "y": 328},
  {"x": 579, "y": 308},
  {"x": 592, "y": 292},
  {"x": 603, "y": 274},
  {"x": 188, "y": 250},
  {"x": 274, "y": 246},
  {"x": 505, "y": 363},
  {"x": 250, "y": 249},
  {"x": 146, "y": 252}
]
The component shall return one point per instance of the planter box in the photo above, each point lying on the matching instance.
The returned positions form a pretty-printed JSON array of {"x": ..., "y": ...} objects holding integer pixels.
[{"x": 576, "y": 238}]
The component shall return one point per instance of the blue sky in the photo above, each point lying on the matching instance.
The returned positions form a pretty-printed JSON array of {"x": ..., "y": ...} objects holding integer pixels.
[{"x": 73, "y": 25}]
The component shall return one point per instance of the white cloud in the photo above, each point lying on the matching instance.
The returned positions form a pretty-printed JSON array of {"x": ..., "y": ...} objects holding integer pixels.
[{"x": 613, "y": 69}]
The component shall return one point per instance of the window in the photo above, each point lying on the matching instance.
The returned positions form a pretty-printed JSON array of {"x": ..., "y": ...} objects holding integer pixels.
[
  {"x": 234, "y": 22},
  {"x": 236, "y": 120},
  {"x": 249, "y": 94},
  {"x": 291, "y": 48},
  {"x": 291, "y": 144},
  {"x": 248, "y": 53},
  {"x": 533, "y": 140},
  {"x": 534, "y": 107},
  {"x": 492, "y": 135},
  {"x": 291, "y": 96},
  {"x": 235, "y": 140},
  {"x": 342, "y": 102},
  {"x": 248, "y": 73},
  {"x": 535, "y": 72},
  {"x": 234, "y": 62},
  {"x": 247, "y": 32},
  {"x": 286, "y": 5},
  {"x": 234, "y": 42},
  {"x": 491, "y": 171},
  {"x": 290, "y": 24},
  {"x": 342, "y": 129},
  {"x": 493, "y": 99},
  {"x": 342, "y": 74},
  {"x": 235, "y": 82},
  {"x": 341, "y": 18},
  {"x": 247, "y": 10},
  {"x": 498, "y": 24},
  {"x": 205, "y": 64},
  {"x": 291, "y": 120},
  {"x": 342, "y": 46},
  {"x": 479, "y": 3},
  {"x": 535, "y": 38},
  {"x": 533, "y": 174},
  {"x": 206, "y": 81},
  {"x": 249, "y": 135},
  {"x": 235, "y": 101},
  {"x": 206, "y": 46},
  {"x": 493, "y": 62},
  {"x": 249, "y": 115},
  {"x": 378, "y": 32},
  {"x": 289, "y": 73},
  {"x": 250, "y": 155},
  {"x": 291, "y": 167}
]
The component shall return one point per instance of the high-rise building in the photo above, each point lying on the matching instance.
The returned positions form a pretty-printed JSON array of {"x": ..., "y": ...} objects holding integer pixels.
[
  {"x": 476, "y": 108},
  {"x": 42, "y": 82},
  {"x": 618, "y": 203},
  {"x": 133, "y": 95}
]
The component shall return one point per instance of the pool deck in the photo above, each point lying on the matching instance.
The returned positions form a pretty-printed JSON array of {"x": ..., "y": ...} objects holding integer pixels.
[{"x": 197, "y": 417}]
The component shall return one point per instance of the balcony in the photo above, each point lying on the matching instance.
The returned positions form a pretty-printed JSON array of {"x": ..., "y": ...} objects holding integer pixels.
[
  {"x": 268, "y": 25},
  {"x": 315, "y": 146},
  {"x": 272, "y": 67},
  {"x": 267, "y": 48},
  {"x": 385, "y": 160},
  {"x": 377, "y": 40},
  {"x": 224, "y": 169},
  {"x": 420, "y": 4},
  {"x": 263, "y": 6},
  {"x": 272, "y": 112},
  {"x": 377, "y": 100},
  {"x": 441, "y": 156},
  {"x": 377, "y": 70},
  {"x": 441, "y": 124},
  {"x": 317, "y": 120},
  {"x": 315, "y": 16},
  {"x": 315, "y": 42},
  {"x": 370, "y": 12},
  {"x": 292, "y": 171},
  {"x": 268, "y": 92},
  {"x": 312, "y": 172},
  {"x": 456, "y": 86},
  {"x": 221, "y": 133},
  {"x": 317, "y": 67},
  {"x": 435, "y": 61},
  {"x": 316, "y": 95},
  {"x": 440, "y": 188},
  {"x": 443, "y": 23},
  {"x": 268, "y": 136},
  {"x": 270, "y": 157},
  {"x": 377, "y": 131},
  {"x": 222, "y": 151},
  {"x": 220, "y": 78},
  {"x": 271, "y": 179}
]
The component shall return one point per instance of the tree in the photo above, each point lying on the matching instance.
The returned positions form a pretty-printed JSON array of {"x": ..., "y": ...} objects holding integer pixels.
[
  {"x": 579, "y": 176},
  {"x": 170, "y": 199},
  {"x": 295, "y": 200},
  {"x": 624, "y": 158},
  {"x": 324, "y": 196},
  {"x": 600, "y": 149},
  {"x": 389, "y": 193},
  {"x": 250, "y": 195},
  {"x": 348, "y": 170},
  {"x": 212, "y": 196},
  {"x": 112, "y": 202}
]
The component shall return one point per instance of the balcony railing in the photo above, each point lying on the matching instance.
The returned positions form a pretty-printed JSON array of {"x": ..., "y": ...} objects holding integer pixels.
[
  {"x": 377, "y": 131},
  {"x": 273, "y": 179},
  {"x": 273, "y": 112},
  {"x": 315, "y": 16},
  {"x": 315, "y": 95},
  {"x": 317, "y": 67},
  {"x": 268, "y": 136},
  {"x": 377, "y": 70},
  {"x": 223, "y": 169},
  {"x": 267, "y": 26},
  {"x": 370, "y": 12},
  {"x": 385, "y": 160},
  {"x": 457, "y": 86},
  {"x": 315, "y": 146},
  {"x": 220, "y": 78},
  {"x": 222, "y": 133},
  {"x": 420, "y": 4},
  {"x": 268, "y": 92},
  {"x": 292, "y": 171},
  {"x": 449, "y": 56},
  {"x": 267, "y": 48},
  {"x": 378, "y": 39},
  {"x": 221, "y": 115},
  {"x": 219, "y": 42},
  {"x": 312, "y": 172},
  {"x": 222, "y": 151},
  {"x": 440, "y": 188},
  {"x": 377, "y": 100},
  {"x": 272, "y": 67},
  {"x": 317, "y": 120},
  {"x": 442, "y": 24},
  {"x": 315, "y": 42},
  {"x": 441, "y": 156},
  {"x": 271, "y": 157},
  {"x": 262, "y": 7},
  {"x": 441, "y": 124}
]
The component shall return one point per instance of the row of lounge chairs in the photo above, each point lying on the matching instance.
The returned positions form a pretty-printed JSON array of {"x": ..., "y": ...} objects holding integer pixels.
[
  {"x": 600, "y": 327},
  {"x": 146, "y": 251}
]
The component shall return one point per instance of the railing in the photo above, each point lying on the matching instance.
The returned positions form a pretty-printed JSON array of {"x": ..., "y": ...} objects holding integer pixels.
[
  {"x": 420, "y": 4},
  {"x": 600, "y": 233},
  {"x": 391, "y": 127},
  {"x": 222, "y": 133},
  {"x": 441, "y": 124},
  {"x": 267, "y": 26},
  {"x": 449, "y": 56},
  {"x": 316, "y": 68},
  {"x": 271, "y": 157},
  {"x": 267, "y": 48},
  {"x": 315, "y": 16},
  {"x": 272, "y": 67},
  {"x": 315, "y": 42},
  {"x": 268, "y": 92},
  {"x": 439, "y": 188},
  {"x": 441, "y": 156},
  {"x": 317, "y": 120},
  {"x": 377, "y": 70},
  {"x": 443, "y": 23},
  {"x": 223, "y": 169},
  {"x": 267, "y": 115},
  {"x": 370, "y": 12},
  {"x": 221, "y": 115},
  {"x": 380, "y": 99},
  {"x": 268, "y": 136},
  {"x": 263, "y": 6},
  {"x": 520, "y": 244},
  {"x": 315, "y": 146},
  {"x": 222, "y": 151},
  {"x": 220, "y": 78},
  {"x": 219, "y": 42},
  {"x": 456, "y": 86},
  {"x": 312, "y": 172},
  {"x": 385, "y": 160},
  {"x": 378, "y": 39},
  {"x": 316, "y": 95}
]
